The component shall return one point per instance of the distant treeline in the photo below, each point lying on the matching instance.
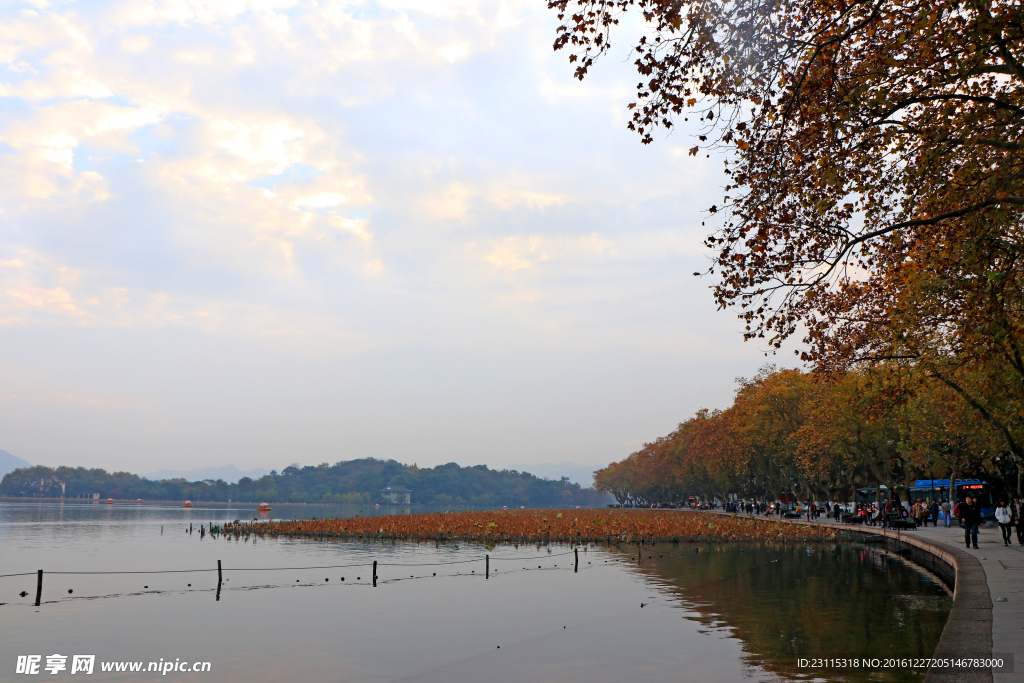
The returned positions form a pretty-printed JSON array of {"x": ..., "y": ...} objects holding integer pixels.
[{"x": 352, "y": 481}]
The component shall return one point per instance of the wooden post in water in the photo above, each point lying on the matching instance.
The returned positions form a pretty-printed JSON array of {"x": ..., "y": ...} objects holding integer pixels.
[
  {"x": 375, "y": 573},
  {"x": 577, "y": 567},
  {"x": 487, "y": 566},
  {"x": 39, "y": 587},
  {"x": 220, "y": 575}
]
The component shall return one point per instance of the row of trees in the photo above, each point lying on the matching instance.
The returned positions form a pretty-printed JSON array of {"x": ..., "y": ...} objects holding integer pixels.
[
  {"x": 817, "y": 436},
  {"x": 872, "y": 208},
  {"x": 352, "y": 481}
]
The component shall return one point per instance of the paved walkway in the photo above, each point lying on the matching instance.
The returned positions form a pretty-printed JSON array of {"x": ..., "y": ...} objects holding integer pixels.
[{"x": 1004, "y": 571}]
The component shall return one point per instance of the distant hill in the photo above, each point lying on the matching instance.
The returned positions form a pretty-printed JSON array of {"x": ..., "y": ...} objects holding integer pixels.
[
  {"x": 9, "y": 463},
  {"x": 352, "y": 481},
  {"x": 578, "y": 474},
  {"x": 228, "y": 473}
]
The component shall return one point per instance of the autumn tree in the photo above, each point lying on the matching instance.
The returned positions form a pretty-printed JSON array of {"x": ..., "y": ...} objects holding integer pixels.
[
  {"x": 944, "y": 436},
  {"x": 815, "y": 436},
  {"x": 854, "y": 434},
  {"x": 873, "y": 187},
  {"x": 648, "y": 475},
  {"x": 770, "y": 408}
]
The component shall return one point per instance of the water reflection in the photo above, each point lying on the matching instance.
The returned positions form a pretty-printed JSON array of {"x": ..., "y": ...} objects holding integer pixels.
[
  {"x": 714, "y": 614},
  {"x": 807, "y": 600}
]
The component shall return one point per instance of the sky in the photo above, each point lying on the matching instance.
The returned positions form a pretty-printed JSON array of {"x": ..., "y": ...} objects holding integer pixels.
[{"x": 264, "y": 232}]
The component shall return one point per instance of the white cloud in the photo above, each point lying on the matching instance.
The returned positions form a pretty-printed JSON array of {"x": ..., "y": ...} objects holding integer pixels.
[
  {"x": 519, "y": 253},
  {"x": 335, "y": 177},
  {"x": 321, "y": 201},
  {"x": 448, "y": 203},
  {"x": 453, "y": 53}
]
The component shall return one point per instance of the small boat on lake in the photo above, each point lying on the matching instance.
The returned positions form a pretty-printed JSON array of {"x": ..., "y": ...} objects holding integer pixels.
[
  {"x": 264, "y": 507},
  {"x": 187, "y": 504},
  {"x": 110, "y": 501}
]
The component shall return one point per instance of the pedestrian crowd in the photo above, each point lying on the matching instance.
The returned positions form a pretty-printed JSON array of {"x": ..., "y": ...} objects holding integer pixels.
[{"x": 1009, "y": 516}]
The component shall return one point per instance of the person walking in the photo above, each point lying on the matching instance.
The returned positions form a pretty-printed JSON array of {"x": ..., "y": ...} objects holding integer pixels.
[
  {"x": 1003, "y": 516},
  {"x": 934, "y": 512},
  {"x": 945, "y": 511},
  {"x": 836, "y": 511},
  {"x": 1018, "y": 519},
  {"x": 970, "y": 519}
]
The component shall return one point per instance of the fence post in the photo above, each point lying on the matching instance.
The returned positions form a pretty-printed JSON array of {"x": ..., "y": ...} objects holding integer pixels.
[
  {"x": 577, "y": 567},
  {"x": 220, "y": 575},
  {"x": 487, "y": 566},
  {"x": 375, "y": 573},
  {"x": 39, "y": 587}
]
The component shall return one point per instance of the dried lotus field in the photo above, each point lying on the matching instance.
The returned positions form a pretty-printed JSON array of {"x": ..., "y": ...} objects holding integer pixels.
[{"x": 543, "y": 525}]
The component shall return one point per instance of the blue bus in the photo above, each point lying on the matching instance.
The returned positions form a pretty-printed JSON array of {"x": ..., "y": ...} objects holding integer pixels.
[{"x": 938, "y": 490}]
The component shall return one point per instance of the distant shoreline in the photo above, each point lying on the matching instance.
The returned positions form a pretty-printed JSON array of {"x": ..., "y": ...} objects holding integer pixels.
[
  {"x": 403, "y": 506},
  {"x": 194, "y": 503}
]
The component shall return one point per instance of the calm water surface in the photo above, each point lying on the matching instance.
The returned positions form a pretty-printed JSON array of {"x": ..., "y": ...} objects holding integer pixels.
[{"x": 712, "y": 614}]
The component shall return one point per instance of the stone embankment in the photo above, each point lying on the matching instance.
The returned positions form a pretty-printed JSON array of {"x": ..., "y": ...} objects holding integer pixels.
[{"x": 968, "y": 631}]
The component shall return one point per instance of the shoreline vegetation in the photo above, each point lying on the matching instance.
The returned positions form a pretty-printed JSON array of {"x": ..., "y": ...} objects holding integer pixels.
[
  {"x": 354, "y": 482},
  {"x": 794, "y": 435},
  {"x": 384, "y": 504},
  {"x": 542, "y": 525}
]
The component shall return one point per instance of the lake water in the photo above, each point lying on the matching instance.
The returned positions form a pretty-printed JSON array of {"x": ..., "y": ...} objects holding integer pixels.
[{"x": 711, "y": 613}]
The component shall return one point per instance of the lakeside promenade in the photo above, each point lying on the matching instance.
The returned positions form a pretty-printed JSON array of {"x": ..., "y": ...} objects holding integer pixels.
[
  {"x": 1000, "y": 567},
  {"x": 1004, "y": 574},
  {"x": 1003, "y": 568}
]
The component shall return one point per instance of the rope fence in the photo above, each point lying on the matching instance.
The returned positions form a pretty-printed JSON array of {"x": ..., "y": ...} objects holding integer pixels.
[
  {"x": 220, "y": 569},
  {"x": 324, "y": 566}
]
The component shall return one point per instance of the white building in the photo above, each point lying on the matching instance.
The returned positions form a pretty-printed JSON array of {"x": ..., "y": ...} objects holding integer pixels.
[{"x": 397, "y": 494}]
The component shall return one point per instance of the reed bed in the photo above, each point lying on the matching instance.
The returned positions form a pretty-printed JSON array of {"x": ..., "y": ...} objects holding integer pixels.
[{"x": 590, "y": 525}]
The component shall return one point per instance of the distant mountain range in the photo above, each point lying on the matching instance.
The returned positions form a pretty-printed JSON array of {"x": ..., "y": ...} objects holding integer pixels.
[
  {"x": 9, "y": 463},
  {"x": 578, "y": 474},
  {"x": 361, "y": 482},
  {"x": 228, "y": 473}
]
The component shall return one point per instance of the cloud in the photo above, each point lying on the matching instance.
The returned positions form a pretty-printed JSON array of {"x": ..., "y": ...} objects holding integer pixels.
[
  {"x": 450, "y": 203},
  {"x": 518, "y": 253},
  {"x": 306, "y": 182},
  {"x": 513, "y": 253},
  {"x": 16, "y": 392},
  {"x": 293, "y": 162}
]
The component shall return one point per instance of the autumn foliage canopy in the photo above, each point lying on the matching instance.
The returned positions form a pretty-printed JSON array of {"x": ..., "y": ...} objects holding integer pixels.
[
  {"x": 815, "y": 437},
  {"x": 872, "y": 188}
]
